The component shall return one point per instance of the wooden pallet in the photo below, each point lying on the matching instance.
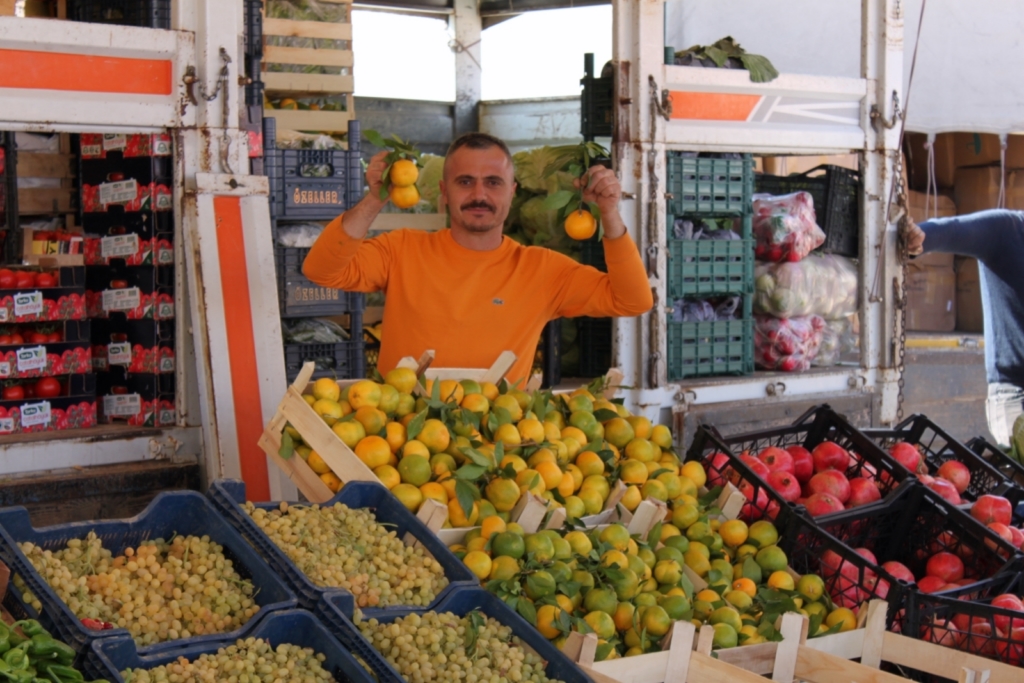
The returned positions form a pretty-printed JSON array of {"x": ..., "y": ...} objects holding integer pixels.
[
  {"x": 37, "y": 201},
  {"x": 299, "y": 85}
]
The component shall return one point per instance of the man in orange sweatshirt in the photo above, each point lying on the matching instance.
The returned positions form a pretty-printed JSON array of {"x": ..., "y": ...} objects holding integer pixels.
[{"x": 469, "y": 292}]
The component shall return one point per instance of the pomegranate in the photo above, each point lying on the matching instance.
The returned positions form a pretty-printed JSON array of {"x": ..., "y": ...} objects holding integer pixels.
[
  {"x": 833, "y": 482},
  {"x": 989, "y": 508},
  {"x": 946, "y": 490},
  {"x": 776, "y": 459},
  {"x": 945, "y": 566},
  {"x": 931, "y": 584},
  {"x": 785, "y": 484},
  {"x": 862, "y": 492},
  {"x": 907, "y": 455},
  {"x": 819, "y": 504},
  {"x": 1011, "y": 650},
  {"x": 1011, "y": 602},
  {"x": 956, "y": 473},
  {"x": 830, "y": 456},
  {"x": 803, "y": 463}
]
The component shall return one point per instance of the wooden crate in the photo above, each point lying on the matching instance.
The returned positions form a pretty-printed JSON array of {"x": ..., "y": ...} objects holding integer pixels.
[
  {"x": 294, "y": 410},
  {"x": 687, "y": 657},
  {"x": 302, "y": 85},
  {"x": 36, "y": 201}
]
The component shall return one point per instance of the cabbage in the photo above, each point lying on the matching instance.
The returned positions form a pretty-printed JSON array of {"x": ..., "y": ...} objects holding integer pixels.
[
  {"x": 1017, "y": 438},
  {"x": 535, "y": 166},
  {"x": 429, "y": 181}
]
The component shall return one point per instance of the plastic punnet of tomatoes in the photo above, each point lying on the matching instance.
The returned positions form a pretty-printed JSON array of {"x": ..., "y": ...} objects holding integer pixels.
[
  {"x": 33, "y": 294},
  {"x": 139, "y": 293},
  {"x": 140, "y": 346},
  {"x": 140, "y": 238},
  {"x": 47, "y": 404},
  {"x": 140, "y": 400},
  {"x": 32, "y": 350}
]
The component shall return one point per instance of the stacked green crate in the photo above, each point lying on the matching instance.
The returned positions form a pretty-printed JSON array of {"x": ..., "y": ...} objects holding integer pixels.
[{"x": 709, "y": 188}]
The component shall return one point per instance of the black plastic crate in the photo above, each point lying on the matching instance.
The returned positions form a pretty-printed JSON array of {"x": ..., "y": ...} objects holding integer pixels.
[
  {"x": 909, "y": 529},
  {"x": 145, "y": 13},
  {"x": 597, "y": 98},
  {"x": 836, "y": 194},
  {"x": 178, "y": 512},
  {"x": 707, "y": 186},
  {"x": 252, "y": 15},
  {"x": 300, "y": 298},
  {"x": 937, "y": 447},
  {"x": 1012, "y": 469},
  {"x": 227, "y": 495},
  {"x": 9, "y": 236},
  {"x": 952, "y": 619},
  {"x": 460, "y": 602},
  {"x": 817, "y": 425},
  {"x": 111, "y": 656},
  {"x": 312, "y": 184},
  {"x": 595, "y": 340},
  {"x": 344, "y": 360},
  {"x": 549, "y": 354}
]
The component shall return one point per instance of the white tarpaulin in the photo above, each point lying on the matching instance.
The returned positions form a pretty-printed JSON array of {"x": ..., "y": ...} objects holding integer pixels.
[{"x": 968, "y": 66}]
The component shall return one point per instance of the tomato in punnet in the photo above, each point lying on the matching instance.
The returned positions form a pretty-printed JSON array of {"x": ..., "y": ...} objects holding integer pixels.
[
  {"x": 47, "y": 387},
  {"x": 37, "y": 337},
  {"x": 24, "y": 279},
  {"x": 13, "y": 392},
  {"x": 5, "y": 339},
  {"x": 30, "y": 391},
  {"x": 115, "y": 176},
  {"x": 118, "y": 284},
  {"x": 54, "y": 337},
  {"x": 119, "y": 390},
  {"x": 7, "y": 278},
  {"x": 45, "y": 280},
  {"x": 16, "y": 338}
]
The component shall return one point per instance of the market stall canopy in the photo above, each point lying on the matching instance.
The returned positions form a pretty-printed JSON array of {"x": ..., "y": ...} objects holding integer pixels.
[{"x": 966, "y": 77}]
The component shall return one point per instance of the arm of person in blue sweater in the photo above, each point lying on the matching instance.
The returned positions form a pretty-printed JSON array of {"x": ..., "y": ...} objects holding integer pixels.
[{"x": 985, "y": 235}]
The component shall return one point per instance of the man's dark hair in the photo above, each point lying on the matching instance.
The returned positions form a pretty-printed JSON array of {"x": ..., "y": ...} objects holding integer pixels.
[{"x": 479, "y": 141}]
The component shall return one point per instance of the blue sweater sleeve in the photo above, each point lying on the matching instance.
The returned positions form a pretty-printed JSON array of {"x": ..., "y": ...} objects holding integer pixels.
[{"x": 985, "y": 235}]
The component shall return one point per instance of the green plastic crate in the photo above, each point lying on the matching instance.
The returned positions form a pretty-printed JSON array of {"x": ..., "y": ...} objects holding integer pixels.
[
  {"x": 705, "y": 349},
  {"x": 705, "y": 267},
  {"x": 702, "y": 186}
]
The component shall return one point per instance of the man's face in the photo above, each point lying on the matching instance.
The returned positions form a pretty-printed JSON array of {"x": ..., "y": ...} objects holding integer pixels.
[{"x": 478, "y": 187}]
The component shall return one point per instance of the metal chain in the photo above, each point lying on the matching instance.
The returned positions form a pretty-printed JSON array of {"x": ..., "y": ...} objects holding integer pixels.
[{"x": 899, "y": 286}]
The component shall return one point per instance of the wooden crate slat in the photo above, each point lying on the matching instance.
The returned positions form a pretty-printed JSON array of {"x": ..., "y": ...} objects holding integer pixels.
[
  {"x": 274, "y": 54},
  {"x": 325, "y": 121},
  {"x": 43, "y": 200},
  {"x": 292, "y": 28},
  {"x": 302, "y": 85},
  {"x": 416, "y": 221},
  {"x": 40, "y": 165}
]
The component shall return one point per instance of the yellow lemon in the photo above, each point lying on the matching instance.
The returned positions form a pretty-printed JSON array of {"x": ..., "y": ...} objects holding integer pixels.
[{"x": 326, "y": 388}]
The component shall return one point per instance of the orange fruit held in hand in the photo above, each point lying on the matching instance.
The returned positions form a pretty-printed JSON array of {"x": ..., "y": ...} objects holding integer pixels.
[
  {"x": 403, "y": 173},
  {"x": 405, "y": 197},
  {"x": 580, "y": 225}
]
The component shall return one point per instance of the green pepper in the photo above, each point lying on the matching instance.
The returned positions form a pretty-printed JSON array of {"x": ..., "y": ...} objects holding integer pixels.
[
  {"x": 31, "y": 627},
  {"x": 18, "y": 657},
  {"x": 45, "y": 646},
  {"x": 64, "y": 674}
]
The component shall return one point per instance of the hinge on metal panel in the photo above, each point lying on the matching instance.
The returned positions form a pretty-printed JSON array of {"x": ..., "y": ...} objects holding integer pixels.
[
  {"x": 897, "y": 113},
  {"x": 663, "y": 105}
]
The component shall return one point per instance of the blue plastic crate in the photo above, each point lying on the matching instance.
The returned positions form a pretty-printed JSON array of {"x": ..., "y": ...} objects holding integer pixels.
[
  {"x": 178, "y": 512},
  {"x": 460, "y": 602},
  {"x": 228, "y": 494},
  {"x": 111, "y": 656}
]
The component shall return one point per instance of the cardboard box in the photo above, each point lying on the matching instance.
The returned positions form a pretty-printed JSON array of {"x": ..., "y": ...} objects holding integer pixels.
[
  {"x": 984, "y": 149},
  {"x": 977, "y": 189},
  {"x": 794, "y": 165},
  {"x": 923, "y": 207},
  {"x": 931, "y": 294},
  {"x": 51, "y": 253},
  {"x": 917, "y": 160},
  {"x": 969, "y": 315}
]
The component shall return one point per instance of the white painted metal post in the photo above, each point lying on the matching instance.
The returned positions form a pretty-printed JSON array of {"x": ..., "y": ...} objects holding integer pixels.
[
  {"x": 468, "y": 28},
  {"x": 637, "y": 54},
  {"x": 882, "y": 67}
]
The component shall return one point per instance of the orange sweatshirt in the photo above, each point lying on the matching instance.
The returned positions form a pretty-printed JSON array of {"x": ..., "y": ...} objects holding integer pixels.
[{"x": 467, "y": 305}]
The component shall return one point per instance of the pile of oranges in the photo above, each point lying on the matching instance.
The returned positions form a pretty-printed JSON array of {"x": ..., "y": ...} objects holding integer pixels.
[{"x": 477, "y": 448}]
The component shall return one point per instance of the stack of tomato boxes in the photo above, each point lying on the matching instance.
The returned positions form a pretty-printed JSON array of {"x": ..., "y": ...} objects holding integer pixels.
[
  {"x": 45, "y": 361},
  {"x": 129, "y": 254}
]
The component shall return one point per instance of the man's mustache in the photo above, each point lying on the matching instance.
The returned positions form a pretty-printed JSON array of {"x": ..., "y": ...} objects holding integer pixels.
[{"x": 477, "y": 205}]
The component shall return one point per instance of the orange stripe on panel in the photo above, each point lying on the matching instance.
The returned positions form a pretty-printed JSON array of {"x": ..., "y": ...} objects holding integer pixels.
[
  {"x": 84, "y": 73},
  {"x": 234, "y": 282},
  {"x": 712, "y": 106}
]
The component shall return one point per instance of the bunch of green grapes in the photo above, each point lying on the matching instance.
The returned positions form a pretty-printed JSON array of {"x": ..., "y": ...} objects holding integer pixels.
[
  {"x": 252, "y": 660},
  {"x": 341, "y": 547},
  {"x": 444, "y": 647},
  {"x": 158, "y": 591}
]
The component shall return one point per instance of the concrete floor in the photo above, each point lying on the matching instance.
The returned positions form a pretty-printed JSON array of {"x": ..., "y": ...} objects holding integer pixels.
[{"x": 948, "y": 385}]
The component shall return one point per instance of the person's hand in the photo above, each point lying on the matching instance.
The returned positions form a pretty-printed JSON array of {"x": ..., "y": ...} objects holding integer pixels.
[
  {"x": 912, "y": 236},
  {"x": 374, "y": 171},
  {"x": 602, "y": 188}
]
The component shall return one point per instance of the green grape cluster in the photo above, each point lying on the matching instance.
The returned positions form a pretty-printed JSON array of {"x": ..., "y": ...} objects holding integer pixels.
[
  {"x": 251, "y": 660},
  {"x": 341, "y": 547},
  {"x": 158, "y": 591},
  {"x": 444, "y": 647}
]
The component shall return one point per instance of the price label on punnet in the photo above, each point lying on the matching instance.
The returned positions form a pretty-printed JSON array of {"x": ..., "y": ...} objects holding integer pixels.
[
  {"x": 119, "y": 245},
  {"x": 33, "y": 358},
  {"x": 126, "y": 299},
  {"x": 28, "y": 303},
  {"x": 122, "y": 405},
  {"x": 35, "y": 414},
  {"x": 119, "y": 353}
]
